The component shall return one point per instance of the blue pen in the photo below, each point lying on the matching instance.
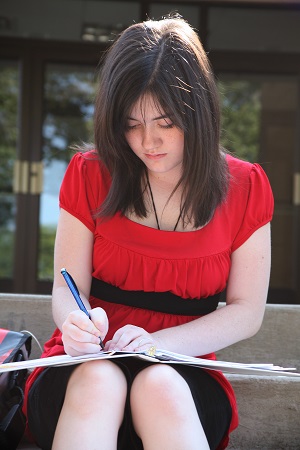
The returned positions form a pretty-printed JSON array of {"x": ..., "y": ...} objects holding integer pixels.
[{"x": 74, "y": 289}]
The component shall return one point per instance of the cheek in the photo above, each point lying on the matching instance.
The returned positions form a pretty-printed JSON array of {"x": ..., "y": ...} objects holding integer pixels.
[
  {"x": 177, "y": 136},
  {"x": 178, "y": 143}
]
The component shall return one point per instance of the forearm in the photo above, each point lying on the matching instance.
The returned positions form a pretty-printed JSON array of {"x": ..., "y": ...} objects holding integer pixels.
[
  {"x": 241, "y": 318},
  {"x": 210, "y": 333},
  {"x": 63, "y": 303},
  {"x": 73, "y": 250}
]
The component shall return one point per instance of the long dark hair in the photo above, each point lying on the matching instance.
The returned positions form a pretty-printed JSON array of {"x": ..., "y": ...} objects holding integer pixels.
[{"x": 166, "y": 60}]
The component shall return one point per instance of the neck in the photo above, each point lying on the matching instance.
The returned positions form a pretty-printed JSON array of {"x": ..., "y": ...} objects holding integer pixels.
[
  {"x": 166, "y": 180},
  {"x": 164, "y": 207}
]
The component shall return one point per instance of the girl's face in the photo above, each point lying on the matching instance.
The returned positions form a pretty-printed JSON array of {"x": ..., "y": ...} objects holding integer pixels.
[{"x": 154, "y": 138}]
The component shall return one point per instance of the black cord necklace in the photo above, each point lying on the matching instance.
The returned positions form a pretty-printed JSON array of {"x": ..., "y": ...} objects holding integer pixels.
[{"x": 154, "y": 208}]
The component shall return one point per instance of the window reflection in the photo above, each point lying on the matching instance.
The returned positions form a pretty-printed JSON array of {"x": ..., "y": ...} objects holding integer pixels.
[
  {"x": 68, "y": 121},
  {"x": 241, "y": 116},
  {"x": 260, "y": 123},
  {"x": 188, "y": 12},
  {"x": 9, "y": 96},
  {"x": 254, "y": 29}
]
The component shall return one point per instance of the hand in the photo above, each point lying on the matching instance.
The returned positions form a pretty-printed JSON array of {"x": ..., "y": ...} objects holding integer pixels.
[
  {"x": 132, "y": 339},
  {"x": 80, "y": 335}
]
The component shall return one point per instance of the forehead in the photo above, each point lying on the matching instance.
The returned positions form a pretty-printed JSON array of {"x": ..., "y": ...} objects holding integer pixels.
[{"x": 146, "y": 106}]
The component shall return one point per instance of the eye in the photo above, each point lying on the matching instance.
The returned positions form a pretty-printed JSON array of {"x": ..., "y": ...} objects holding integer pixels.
[
  {"x": 165, "y": 122},
  {"x": 131, "y": 126},
  {"x": 167, "y": 125}
]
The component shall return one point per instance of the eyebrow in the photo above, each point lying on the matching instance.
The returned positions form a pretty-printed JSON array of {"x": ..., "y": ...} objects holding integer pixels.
[{"x": 163, "y": 116}]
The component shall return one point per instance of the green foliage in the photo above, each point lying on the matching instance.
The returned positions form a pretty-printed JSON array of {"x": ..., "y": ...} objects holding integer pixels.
[
  {"x": 46, "y": 247},
  {"x": 8, "y": 141},
  {"x": 8, "y": 138},
  {"x": 6, "y": 252},
  {"x": 68, "y": 120},
  {"x": 241, "y": 118}
]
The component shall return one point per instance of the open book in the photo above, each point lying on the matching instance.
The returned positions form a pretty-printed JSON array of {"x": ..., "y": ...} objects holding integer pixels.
[{"x": 161, "y": 357}]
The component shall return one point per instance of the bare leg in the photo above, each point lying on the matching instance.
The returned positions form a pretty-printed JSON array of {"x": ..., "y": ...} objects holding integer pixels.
[
  {"x": 163, "y": 410},
  {"x": 93, "y": 408}
]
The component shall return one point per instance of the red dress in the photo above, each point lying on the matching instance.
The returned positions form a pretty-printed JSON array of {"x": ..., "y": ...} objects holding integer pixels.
[{"x": 132, "y": 256}]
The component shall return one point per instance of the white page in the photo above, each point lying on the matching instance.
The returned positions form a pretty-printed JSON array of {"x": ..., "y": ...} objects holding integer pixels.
[{"x": 162, "y": 357}]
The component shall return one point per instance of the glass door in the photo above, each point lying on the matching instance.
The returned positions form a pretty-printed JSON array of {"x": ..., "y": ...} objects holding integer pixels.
[
  {"x": 69, "y": 92},
  {"x": 260, "y": 123},
  {"x": 9, "y": 100},
  {"x": 46, "y": 106}
]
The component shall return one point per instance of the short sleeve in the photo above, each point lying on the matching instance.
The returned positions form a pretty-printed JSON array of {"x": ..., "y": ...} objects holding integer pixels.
[
  {"x": 257, "y": 203},
  {"x": 79, "y": 194}
]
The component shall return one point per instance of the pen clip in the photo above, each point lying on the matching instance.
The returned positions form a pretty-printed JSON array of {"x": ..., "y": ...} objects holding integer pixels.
[
  {"x": 75, "y": 291},
  {"x": 68, "y": 276},
  {"x": 73, "y": 282}
]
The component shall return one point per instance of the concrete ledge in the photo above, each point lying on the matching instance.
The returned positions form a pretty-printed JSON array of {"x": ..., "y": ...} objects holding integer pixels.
[
  {"x": 276, "y": 342},
  {"x": 28, "y": 312},
  {"x": 269, "y": 410},
  {"x": 269, "y": 407}
]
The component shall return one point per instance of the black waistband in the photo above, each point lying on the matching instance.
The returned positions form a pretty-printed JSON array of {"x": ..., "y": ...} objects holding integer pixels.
[{"x": 165, "y": 302}]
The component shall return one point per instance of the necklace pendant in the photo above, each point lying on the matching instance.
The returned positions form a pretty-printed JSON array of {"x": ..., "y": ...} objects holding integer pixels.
[{"x": 154, "y": 208}]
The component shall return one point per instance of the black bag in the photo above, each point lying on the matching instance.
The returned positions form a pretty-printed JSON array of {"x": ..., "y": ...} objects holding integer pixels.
[{"x": 14, "y": 346}]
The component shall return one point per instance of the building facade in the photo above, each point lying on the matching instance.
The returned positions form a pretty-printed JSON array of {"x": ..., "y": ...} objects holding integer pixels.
[{"x": 49, "y": 55}]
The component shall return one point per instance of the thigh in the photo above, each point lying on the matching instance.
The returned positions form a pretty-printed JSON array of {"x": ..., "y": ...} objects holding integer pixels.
[
  {"x": 47, "y": 395},
  {"x": 212, "y": 404},
  {"x": 45, "y": 401}
]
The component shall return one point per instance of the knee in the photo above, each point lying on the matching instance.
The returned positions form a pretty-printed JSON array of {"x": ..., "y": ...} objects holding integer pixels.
[
  {"x": 96, "y": 381},
  {"x": 159, "y": 387}
]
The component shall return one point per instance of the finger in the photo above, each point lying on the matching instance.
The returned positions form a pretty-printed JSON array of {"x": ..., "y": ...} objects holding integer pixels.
[
  {"x": 124, "y": 336},
  {"x": 72, "y": 332},
  {"x": 140, "y": 344},
  {"x": 100, "y": 320},
  {"x": 107, "y": 346},
  {"x": 74, "y": 348},
  {"x": 81, "y": 320}
]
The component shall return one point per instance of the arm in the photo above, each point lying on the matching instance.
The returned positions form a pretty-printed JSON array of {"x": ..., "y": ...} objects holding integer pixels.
[
  {"x": 242, "y": 316},
  {"x": 73, "y": 250}
]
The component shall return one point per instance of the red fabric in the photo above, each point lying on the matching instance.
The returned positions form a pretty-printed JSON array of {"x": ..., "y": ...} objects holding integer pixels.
[
  {"x": 3, "y": 356},
  {"x": 3, "y": 334},
  {"x": 135, "y": 257}
]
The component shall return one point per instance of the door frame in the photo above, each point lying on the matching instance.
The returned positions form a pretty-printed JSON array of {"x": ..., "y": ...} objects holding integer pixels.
[{"x": 33, "y": 56}]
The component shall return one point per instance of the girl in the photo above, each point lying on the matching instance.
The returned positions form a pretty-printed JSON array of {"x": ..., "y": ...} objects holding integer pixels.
[{"x": 155, "y": 223}]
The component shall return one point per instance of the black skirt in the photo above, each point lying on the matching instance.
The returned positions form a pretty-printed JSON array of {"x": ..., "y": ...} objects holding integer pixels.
[{"x": 47, "y": 394}]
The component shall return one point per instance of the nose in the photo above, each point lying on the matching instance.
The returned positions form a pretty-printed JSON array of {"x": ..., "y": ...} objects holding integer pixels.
[{"x": 150, "y": 139}]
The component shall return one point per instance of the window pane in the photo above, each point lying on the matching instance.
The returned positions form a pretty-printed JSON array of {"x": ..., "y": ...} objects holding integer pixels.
[
  {"x": 188, "y": 12},
  {"x": 241, "y": 116},
  {"x": 257, "y": 30},
  {"x": 68, "y": 121},
  {"x": 63, "y": 20},
  {"x": 9, "y": 95},
  {"x": 260, "y": 123}
]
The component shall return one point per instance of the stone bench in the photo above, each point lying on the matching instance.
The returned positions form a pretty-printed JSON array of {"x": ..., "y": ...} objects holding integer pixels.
[{"x": 269, "y": 407}]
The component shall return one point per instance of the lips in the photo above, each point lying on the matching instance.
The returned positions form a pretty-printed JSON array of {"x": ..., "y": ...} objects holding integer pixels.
[{"x": 156, "y": 156}]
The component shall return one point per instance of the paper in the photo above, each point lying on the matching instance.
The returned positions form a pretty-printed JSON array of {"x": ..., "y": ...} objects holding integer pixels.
[{"x": 161, "y": 357}]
